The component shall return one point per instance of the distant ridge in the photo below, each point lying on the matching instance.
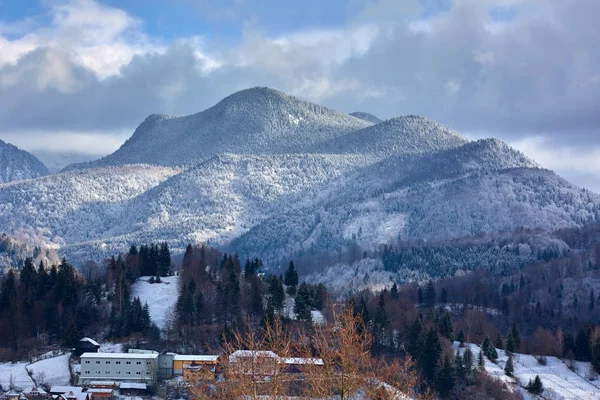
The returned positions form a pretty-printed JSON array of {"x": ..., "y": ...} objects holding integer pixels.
[
  {"x": 366, "y": 117},
  {"x": 17, "y": 164}
]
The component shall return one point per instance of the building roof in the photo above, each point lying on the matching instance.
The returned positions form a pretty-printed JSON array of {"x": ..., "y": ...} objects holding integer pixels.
[
  {"x": 99, "y": 390},
  {"x": 65, "y": 389},
  {"x": 102, "y": 383},
  {"x": 37, "y": 390},
  {"x": 12, "y": 393},
  {"x": 252, "y": 354},
  {"x": 134, "y": 385},
  {"x": 202, "y": 358},
  {"x": 128, "y": 356},
  {"x": 92, "y": 341},
  {"x": 303, "y": 361}
]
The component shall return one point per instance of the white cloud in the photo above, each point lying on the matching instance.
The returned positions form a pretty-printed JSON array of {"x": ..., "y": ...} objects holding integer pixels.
[{"x": 82, "y": 142}]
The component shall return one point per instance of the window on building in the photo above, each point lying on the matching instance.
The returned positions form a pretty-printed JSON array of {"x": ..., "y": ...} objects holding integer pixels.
[
  {"x": 118, "y": 362},
  {"x": 108, "y": 362},
  {"x": 87, "y": 362},
  {"x": 139, "y": 373},
  {"x": 128, "y": 373},
  {"x": 138, "y": 363},
  {"x": 128, "y": 362},
  {"x": 97, "y": 362}
]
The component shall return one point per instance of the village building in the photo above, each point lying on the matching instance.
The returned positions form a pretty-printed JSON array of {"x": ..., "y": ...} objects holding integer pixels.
[
  {"x": 180, "y": 360},
  {"x": 86, "y": 345},
  {"x": 125, "y": 367}
]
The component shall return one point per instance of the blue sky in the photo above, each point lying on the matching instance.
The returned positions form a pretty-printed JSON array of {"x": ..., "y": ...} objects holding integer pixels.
[{"x": 82, "y": 74}]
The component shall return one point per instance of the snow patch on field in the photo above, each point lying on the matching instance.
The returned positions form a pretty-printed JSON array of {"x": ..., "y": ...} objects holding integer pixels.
[{"x": 161, "y": 297}]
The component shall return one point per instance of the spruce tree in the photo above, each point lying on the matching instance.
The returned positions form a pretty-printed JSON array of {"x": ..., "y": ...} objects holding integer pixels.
[
  {"x": 394, "y": 292},
  {"x": 429, "y": 296},
  {"x": 444, "y": 296},
  {"x": 445, "y": 378},
  {"x": 510, "y": 343},
  {"x": 461, "y": 337},
  {"x": 596, "y": 355},
  {"x": 468, "y": 361},
  {"x": 516, "y": 336},
  {"x": 431, "y": 355},
  {"x": 445, "y": 326},
  {"x": 535, "y": 386},
  {"x": 499, "y": 341},
  {"x": 480, "y": 360},
  {"x": 509, "y": 368}
]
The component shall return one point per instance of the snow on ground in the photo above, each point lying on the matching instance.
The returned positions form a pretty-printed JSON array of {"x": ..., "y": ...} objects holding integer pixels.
[
  {"x": 53, "y": 371},
  {"x": 108, "y": 347},
  {"x": 161, "y": 297},
  {"x": 558, "y": 380},
  {"x": 318, "y": 317},
  {"x": 18, "y": 373}
]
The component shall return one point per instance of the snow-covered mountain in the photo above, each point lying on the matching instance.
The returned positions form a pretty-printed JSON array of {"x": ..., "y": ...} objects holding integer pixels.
[
  {"x": 252, "y": 121},
  {"x": 267, "y": 174},
  {"x": 17, "y": 164}
]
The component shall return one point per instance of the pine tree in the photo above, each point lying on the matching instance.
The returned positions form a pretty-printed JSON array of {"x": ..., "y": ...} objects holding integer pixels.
[
  {"x": 302, "y": 306},
  {"x": 276, "y": 294},
  {"x": 583, "y": 349},
  {"x": 468, "y": 361},
  {"x": 431, "y": 355},
  {"x": 459, "y": 365},
  {"x": 510, "y": 343},
  {"x": 444, "y": 296},
  {"x": 499, "y": 341},
  {"x": 445, "y": 326},
  {"x": 394, "y": 292},
  {"x": 480, "y": 360},
  {"x": 429, "y": 296},
  {"x": 596, "y": 355},
  {"x": 509, "y": 368},
  {"x": 291, "y": 275},
  {"x": 445, "y": 378},
  {"x": 516, "y": 336},
  {"x": 535, "y": 386},
  {"x": 461, "y": 337}
]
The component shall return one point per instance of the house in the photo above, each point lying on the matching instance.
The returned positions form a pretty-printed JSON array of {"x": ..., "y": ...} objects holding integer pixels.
[
  {"x": 36, "y": 394},
  {"x": 12, "y": 395},
  {"x": 86, "y": 345},
  {"x": 195, "y": 373},
  {"x": 73, "y": 392},
  {"x": 100, "y": 393},
  {"x": 133, "y": 389},
  {"x": 253, "y": 362},
  {"x": 180, "y": 360},
  {"x": 125, "y": 367}
]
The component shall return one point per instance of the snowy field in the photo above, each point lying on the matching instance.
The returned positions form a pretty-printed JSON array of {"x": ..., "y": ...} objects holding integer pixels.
[
  {"x": 54, "y": 371},
  {"x": 558, "y": 380},
  {"x": 161, "y": 297},
  {"x": 18, "y": 373}
]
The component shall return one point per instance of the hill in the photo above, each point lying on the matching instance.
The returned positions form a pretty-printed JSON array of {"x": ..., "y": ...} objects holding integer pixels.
[
  {"x": 17, "y": 164},
  {"x": 252, "y": 121}
]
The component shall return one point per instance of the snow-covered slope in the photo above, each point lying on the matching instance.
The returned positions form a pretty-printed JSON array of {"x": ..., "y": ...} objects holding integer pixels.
[
  {"x": 398, "y": 136},
  {"x": 559, "y": 381},
  {"x": 74, "y": 206},
  {"x": 17, "y": 164},
  {"x": 252, "y": 121},
  {"x": 481, "y": 187},
  {"x": 160, "y": 297}
]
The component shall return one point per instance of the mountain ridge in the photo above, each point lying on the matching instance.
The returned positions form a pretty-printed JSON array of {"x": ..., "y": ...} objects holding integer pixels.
[{"x": 17, "y": 164}]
